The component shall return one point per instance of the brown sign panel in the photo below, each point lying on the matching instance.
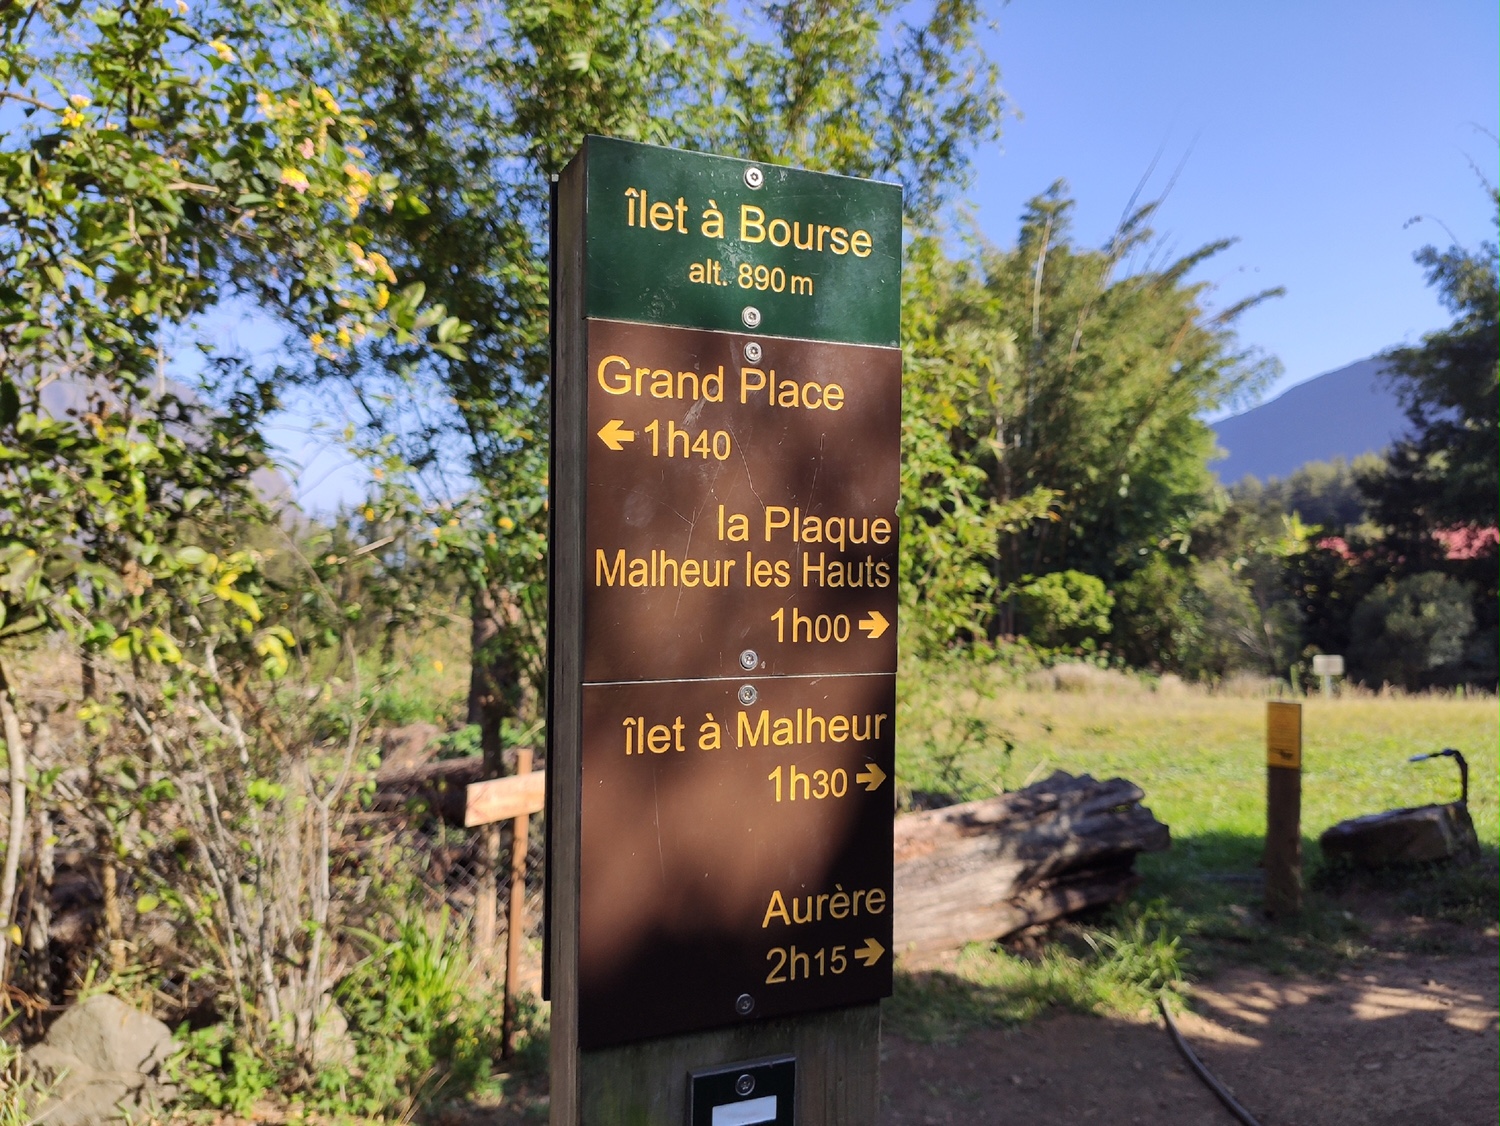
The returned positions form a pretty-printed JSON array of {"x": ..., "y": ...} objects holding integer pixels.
[
  {"x": 741, "y": 496},
  {"x": 736, "y": 851},
  {"x": 724, "y": 598}
]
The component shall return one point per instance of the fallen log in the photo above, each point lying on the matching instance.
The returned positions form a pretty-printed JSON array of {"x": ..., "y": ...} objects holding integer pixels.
[
  {"x": 985, "y": 869},
  {"x": 440, "y": 786}
]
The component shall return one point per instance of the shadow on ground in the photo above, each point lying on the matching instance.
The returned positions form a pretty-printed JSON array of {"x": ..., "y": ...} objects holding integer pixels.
[{"x": 1376, "y": 1006}]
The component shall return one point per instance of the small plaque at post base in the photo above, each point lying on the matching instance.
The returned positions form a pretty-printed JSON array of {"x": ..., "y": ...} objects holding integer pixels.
[{"x": 744, "y": 1094}]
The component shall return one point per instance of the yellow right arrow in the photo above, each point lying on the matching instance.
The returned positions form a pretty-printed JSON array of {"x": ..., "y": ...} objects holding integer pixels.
[
  {"x": 612, "y": 433},
  {"x": 870, "y": 952},
  {"x": 870, "y": 777},
  {"x": 874, "y": 624}
]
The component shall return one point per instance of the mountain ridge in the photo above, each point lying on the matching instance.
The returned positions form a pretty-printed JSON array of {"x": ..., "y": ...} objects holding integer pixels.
[{"x": 1346, "y": 412}]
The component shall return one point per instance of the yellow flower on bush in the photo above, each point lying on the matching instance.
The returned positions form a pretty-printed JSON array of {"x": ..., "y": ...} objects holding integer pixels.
[
  {"x": 78, "y": 101},
  {"x": 223, "y": 50},
  {"x": 325, "y": 99},
  {"x": 382, "y": 267},
  {"x": 71, "y": 118},
  {"x": 506, "y": 523},
  {"x": 295, "y": 179}
]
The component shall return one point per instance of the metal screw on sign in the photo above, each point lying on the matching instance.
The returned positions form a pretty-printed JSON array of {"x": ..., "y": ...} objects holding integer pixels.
[
  {"x": 752, "y": 351},
  {"x": 754, "y": 177},
  {"x": 748, "y": 694},
  {"x": 751, "y": 316},
  {"x": 749, "y": 659},
  {"x": 743, "y": 1004},
  {"x": 744, "y": 1085}
]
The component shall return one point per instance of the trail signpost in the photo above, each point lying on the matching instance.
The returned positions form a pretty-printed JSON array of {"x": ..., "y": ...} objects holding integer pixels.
[{"x": 726, "y": 464}]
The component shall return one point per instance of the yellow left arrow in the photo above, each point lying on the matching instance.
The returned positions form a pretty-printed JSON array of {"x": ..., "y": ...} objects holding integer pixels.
[
  {"x": 614, "y": 433},
  {"x": 870, "y": 952}
]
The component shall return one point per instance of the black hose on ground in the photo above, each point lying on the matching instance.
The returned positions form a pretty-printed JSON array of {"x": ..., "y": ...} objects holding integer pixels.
[{"x": 1222, "y": 1092}]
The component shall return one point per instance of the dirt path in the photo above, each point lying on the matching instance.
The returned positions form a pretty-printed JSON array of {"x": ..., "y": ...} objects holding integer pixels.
[{"x": 1407, "y": 1040}]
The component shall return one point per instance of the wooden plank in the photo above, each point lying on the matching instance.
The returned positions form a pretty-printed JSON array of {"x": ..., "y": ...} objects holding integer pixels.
[
  {"x": 499, "y": 799},
  {"x": 515, "y": 921}
]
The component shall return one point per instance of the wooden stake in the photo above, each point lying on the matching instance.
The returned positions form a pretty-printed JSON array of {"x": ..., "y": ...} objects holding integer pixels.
[
  {"x": 486, "y": 895},
  {"x": 515, "y": 922},
  {"x": 1283, "y": 855}
]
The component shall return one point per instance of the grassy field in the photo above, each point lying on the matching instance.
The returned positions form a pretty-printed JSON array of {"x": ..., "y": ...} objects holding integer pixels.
[{"x": 1200, "y": 758}]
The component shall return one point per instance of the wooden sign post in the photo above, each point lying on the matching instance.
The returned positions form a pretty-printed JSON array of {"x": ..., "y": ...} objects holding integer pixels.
[
  {"x": 1283, "y": 855},
  {"x": 725, "y": 477}
]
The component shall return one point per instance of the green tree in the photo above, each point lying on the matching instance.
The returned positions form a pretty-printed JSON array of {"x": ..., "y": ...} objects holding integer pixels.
[
  {"x": 1437, "y": 494},
  {"x": 1444, "y": 475},
  {"x": 150, "y": 167},
  {"x": 1065, "y": 609},
  {"x": 951, "y": 519},
  {"x": 1412, "y": 632},
  {"x": 1090, "y": 381},
  {"x": 474, "y": 106},
  {"x": 1159, "y": 617}
]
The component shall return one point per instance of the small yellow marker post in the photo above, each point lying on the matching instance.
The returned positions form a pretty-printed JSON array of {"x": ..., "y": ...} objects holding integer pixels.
[{"x": 1283, "y": 855}]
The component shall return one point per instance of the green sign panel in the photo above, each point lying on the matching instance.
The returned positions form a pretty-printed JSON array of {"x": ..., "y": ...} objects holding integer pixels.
[{"x": 681, "y": 238}]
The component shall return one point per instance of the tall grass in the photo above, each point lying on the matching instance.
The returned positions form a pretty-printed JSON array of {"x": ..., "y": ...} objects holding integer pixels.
[
  {"x": 1201, "y": 757},
  {"x": 426, "y": 1026},
  {"x": 1121, "y": 969},
  {"x": 19, "y": 1096}
]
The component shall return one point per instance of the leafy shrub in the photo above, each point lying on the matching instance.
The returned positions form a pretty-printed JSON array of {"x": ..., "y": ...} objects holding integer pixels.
[
  {"x": 1158, "y": 622},
  {"x": 423, "y": 1028},
  {"x": 1411, "y": 632},
  {"x": 463, "y": 743},
  {"x": 216, "y": 1071},
  {"x": 1065, "y": 609}
]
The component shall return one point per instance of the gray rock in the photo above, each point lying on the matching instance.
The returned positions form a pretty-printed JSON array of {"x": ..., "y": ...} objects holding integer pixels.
[
  {"x": 332, "y": 1045},
  {"x": 329, "y": 1044},
  {"x": 1403, "y": 836},
  {"x": 97, "y": 1064},
  {"x": 107, "y": 1034}
]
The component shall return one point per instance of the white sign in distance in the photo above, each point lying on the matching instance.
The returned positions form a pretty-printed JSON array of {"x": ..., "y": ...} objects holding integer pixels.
[{"x": 1328, "y": 664}]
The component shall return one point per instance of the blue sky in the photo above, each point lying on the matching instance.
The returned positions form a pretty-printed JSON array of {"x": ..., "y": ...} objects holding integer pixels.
[{"x": 1311, "y": 131}]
